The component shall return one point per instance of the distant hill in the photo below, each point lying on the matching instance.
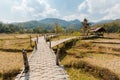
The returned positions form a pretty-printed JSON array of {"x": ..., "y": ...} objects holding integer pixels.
[
  {"x": 50, "y": 22},
  {"x": 48, "y": 25},
  {"x": 104, "y": 21}
]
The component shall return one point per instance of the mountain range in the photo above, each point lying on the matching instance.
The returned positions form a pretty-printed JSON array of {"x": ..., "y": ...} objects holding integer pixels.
[
  {"x": 50, "y": 23},
  {"x": 104, "y": 21}
]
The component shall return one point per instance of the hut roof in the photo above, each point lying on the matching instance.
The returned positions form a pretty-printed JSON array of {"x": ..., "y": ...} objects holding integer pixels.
[{"x": 98, "y": 29}]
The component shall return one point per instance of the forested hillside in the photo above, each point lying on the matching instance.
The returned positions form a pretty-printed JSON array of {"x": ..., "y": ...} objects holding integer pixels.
[
  {"x": 45, "y": 25},
  {"x": 49, "y": 25}
]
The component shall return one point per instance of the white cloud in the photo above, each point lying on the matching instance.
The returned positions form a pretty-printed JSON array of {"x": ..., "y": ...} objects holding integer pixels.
[
  {"x": 48, "y": 11},
  {"x": 113, "y": 12},
  {"x": 34, "y": 9},
  {"x": 100, "y": 9},
  {"x": 94, "y": 10},
  {"x": 82, "y": 6},
  {"x": 22, "y": 9},
  {"x": 75, "y": 16}
]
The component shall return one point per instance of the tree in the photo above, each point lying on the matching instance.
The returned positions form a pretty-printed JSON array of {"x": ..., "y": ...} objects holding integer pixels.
[
  {"x": 70, "y": 29},
  {"x": 58, "y": 29},
  {"x": 38, "y": 29},
  {"x": 85, "y": 27}
]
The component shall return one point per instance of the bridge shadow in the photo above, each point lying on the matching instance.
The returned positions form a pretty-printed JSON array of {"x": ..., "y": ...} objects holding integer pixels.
[
  {"x": 67, "y": 45},
  {"x": 106, "y": 42},
  {"x": 110, "y": 38}
]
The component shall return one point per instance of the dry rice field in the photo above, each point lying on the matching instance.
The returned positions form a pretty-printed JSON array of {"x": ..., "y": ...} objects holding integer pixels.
[
  {"x": 11, "y": 60},
  {"x": 103, "y": 53}
]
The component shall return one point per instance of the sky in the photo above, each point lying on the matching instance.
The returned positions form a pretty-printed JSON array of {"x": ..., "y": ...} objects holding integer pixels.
[{"x": 26, "y": 10}]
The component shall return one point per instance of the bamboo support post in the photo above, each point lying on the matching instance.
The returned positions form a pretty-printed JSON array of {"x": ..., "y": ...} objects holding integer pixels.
[
  {"x": 30, "y": 41},
  {"x": 50, "y": 43},
  {"x": 37, "y": 39},
  {"x": 36, "y": 45},
  {"x": 64, "y": 44},
  {"x": 45, "y": 37},
  {"x": 25, "y": 59},
  {"x": 57, "y": 57}
]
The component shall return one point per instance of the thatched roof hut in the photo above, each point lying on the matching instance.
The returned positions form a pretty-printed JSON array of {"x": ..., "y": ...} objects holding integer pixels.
[{"x": 97, "y": 30}]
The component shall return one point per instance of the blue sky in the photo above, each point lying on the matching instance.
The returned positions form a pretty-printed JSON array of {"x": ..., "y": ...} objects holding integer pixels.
[{"x": 25, "y": 10}]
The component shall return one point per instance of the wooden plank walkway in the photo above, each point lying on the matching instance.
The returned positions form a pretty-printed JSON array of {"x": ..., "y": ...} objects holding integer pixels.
[
  {"x": 43, "y": 64},
  {"x": 55, "y": 43}
]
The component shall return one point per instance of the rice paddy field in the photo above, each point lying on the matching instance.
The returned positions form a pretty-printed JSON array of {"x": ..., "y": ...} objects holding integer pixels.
[
  {"x": 11, "y": 60},
  {"x": 99, "y": 57},
  {"x": 91, "y": 59}
]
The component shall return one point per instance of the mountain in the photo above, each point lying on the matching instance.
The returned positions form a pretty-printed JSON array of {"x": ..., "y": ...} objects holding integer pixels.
[
  {"x": 51, "y": 22},
  {"x": 104, "y": 21},
  {"x": 48, "y": 25},
  {"x": 76, "y": 21},
  {"x": 29, "y": 24}
]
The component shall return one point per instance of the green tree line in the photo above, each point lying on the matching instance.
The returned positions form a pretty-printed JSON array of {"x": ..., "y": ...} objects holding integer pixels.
[
  {"x": 10, "y": 28},
  {"x": 112, "y": 27}
]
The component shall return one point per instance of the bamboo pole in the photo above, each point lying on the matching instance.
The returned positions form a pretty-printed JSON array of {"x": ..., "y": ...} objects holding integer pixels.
[
  {"x": 36, "y": 45},
  {"x": 37, "y": 39},
  {"x": 30, "y": 41},
  {"x": 57, "y": 57},
  {"x": 25, "y": 59}
]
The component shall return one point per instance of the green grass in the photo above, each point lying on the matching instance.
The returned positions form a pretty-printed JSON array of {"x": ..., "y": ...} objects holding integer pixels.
[
  {"x": 78, "y": 74},
  {"x": 76, "y": 34}
]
